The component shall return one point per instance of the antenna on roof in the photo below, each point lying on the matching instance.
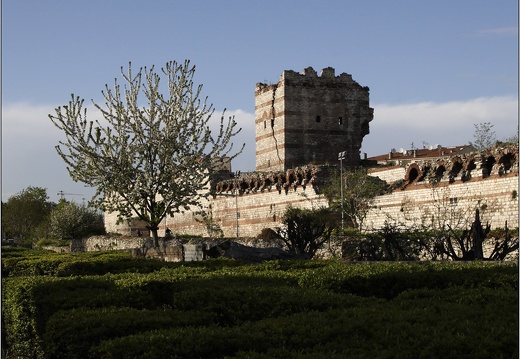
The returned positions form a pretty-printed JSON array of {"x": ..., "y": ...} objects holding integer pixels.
[{"x": 402, "y": 150}]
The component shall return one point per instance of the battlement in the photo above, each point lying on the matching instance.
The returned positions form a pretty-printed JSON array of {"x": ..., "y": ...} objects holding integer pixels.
[
  {"x": 305, "y": 118},
  {"x": 308, "y": 75}
]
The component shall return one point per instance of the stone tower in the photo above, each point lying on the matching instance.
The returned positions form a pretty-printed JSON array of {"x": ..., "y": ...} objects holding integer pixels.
[{"x": 306, "y": 118}]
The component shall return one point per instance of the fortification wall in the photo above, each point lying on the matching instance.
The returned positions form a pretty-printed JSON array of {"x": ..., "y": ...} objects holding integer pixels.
[
  {"x": 305, "y": 118},
  {"x": 256, "y": 211},
  {"x": 261, "y": 201},
  {"x": 454, "y": 203}
]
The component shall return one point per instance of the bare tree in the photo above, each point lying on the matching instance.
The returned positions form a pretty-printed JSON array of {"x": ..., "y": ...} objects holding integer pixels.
[
  {"x": 150, "y": 161},
  {"x": 484, "y": 136}
]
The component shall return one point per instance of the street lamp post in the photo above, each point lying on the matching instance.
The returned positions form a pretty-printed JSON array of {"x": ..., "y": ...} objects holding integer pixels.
[
  {"x": 341, "y": 157},
  {"x": 237, "y": 174}
]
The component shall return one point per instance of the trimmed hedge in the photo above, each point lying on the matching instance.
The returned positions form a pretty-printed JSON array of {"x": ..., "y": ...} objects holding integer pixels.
[
  {"x": 276, "y": 309},
  {"x": 405, "y": 329},
  {"x": 15, "y": 263},
  {"x": 71, "y": 333}
]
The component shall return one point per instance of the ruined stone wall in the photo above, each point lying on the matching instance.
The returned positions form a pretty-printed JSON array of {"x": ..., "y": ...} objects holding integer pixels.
[
  {"x": 454, "y": 204},
  {"x": 389, "y": 174},
  {"x": 261, "y": 201},
  {"x": 306, "y": 118},
  {"x": 449, "y": 190},
  {"x": 257, "y": 210},
  {"x": 107, "y": 242}
]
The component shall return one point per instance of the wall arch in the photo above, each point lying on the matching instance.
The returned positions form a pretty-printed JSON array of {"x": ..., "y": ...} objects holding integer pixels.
[{"x": 413, "y": 174}]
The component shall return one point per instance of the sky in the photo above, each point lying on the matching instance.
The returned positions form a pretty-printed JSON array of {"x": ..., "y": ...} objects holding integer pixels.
[{"x": 435, "y": 68}]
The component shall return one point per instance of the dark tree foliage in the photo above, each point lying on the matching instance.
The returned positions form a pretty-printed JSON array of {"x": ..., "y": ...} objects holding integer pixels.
[
  {"x": 304, "y": 231},
  {"x": 390, "y": 243},
  {"x": 25, "y": 212}
]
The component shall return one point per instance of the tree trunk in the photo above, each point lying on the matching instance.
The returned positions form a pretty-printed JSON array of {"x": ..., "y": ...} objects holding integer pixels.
[
  {"x": 479, "y": 235},
  {"x": 154, "y": 230}
]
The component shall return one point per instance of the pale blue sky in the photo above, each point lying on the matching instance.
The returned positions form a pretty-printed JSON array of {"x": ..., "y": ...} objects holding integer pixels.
[{"x": 434, "y": 67}]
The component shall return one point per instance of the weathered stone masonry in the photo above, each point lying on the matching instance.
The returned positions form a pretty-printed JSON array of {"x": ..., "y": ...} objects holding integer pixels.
[
  {"x": 302, "y": 123},
  {"x": 452, "y": 188},
  {"x": 306, "y": 118}
]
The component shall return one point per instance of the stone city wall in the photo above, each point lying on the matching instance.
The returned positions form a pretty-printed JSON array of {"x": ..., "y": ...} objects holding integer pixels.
[
  {"x": 256, "y": 211},
  {"x": 262, "y": 199},
  {"x": 453, "y": 203},
  {"x": 495, "y": 195},
  {"x": 450, "y": 190}
]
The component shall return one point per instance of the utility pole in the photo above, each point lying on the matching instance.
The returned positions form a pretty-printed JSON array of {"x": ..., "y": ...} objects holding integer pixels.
[
  {"x": 62, "y": 195},
  {"x": 237, "y": 174},
  {"x": 341, "y": 157}
]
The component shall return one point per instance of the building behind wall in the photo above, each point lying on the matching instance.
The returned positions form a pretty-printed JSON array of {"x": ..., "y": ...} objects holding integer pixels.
[{"x": 309, "y": 119}]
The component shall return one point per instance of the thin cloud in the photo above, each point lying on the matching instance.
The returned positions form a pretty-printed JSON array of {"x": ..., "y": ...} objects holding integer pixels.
[
  {"x": 499, "y": 31},
  {"x": 29, "y": 137},
  {"x": 455, "y": 114},
  {"x": 449, "y": 123},
  {"x": 26, "y": 120}
]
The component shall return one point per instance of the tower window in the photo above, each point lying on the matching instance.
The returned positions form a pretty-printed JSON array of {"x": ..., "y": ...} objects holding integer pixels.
[
  {"x": 340, "y": 120},
  {"x": 318, "y": 118},
  {"x": 265, "y": 124}
]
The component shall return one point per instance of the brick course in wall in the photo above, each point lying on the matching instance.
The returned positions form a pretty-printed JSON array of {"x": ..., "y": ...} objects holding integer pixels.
[
  {"x": 455, "y": 203},
  {"x": 306, "y": 118}
]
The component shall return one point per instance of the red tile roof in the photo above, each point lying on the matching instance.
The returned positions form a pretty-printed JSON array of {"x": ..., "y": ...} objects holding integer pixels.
[{"x": 423, "y": 153}]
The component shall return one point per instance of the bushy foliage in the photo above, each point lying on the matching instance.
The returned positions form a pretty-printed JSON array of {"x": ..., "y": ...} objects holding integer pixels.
[
  {"x": 70, "y": 220},
  {"x": 26, "y": 212},
  {"x": 276, "y": 309},
  {"x": 395, "y": 242},
  {"x": 305, "y": 231}
]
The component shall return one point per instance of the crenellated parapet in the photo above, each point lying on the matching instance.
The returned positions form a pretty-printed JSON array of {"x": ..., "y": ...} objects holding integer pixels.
[
  {"x": 499, "y": 161},
  {"x": 254, "y": 182},
  {"x": 310, "y": 118}
]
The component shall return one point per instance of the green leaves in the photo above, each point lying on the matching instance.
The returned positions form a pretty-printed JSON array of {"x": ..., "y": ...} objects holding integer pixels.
[{"x": 219, "y": 308}]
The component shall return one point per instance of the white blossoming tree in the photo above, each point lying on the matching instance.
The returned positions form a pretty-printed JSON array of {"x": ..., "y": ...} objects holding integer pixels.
[{"x": 152, "y": 154}]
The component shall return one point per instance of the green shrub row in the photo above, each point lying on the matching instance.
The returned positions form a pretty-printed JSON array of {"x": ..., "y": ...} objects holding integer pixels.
[
  {"x": 388, "y": 279},
  {"x": 405, "y": 328},
  {"x": 224, "y": 296},
  {"x": 18, "y": 263},
  {"x": 24, "y": 262}
]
